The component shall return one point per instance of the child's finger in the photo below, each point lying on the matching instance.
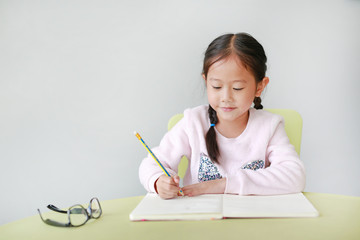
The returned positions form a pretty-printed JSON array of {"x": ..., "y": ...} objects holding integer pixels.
[
  {"x": 176, "y": 179},
  {"x": 168, "y": 187},
  {"x": 172, "y": 184},
  {"x": 170, "y": 192}
]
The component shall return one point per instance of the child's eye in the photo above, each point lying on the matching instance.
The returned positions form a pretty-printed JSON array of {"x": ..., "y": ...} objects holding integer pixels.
[
  {"x": 216, "y": 87},
  {"x": 238, "y": 89}
]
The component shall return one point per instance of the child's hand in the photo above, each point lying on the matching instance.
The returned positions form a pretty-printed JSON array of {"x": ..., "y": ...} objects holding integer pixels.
[
  {"x": 212, "y": 186},
  {"x": 167, "y": 187}
]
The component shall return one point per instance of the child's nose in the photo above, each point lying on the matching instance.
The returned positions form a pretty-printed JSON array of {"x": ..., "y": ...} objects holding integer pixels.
[{"x": 227, "y": 95}]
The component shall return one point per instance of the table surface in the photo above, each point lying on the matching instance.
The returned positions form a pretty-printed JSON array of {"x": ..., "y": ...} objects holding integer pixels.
[{"x": 339, "y": 219}]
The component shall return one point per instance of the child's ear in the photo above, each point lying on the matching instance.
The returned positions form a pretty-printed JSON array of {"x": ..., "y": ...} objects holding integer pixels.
[
  {"x": 204, "y": 77},
  {"x": 261, "y": 86}
]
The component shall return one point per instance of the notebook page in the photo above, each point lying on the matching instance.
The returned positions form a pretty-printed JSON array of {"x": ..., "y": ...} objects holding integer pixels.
[
  {"x": 289, "y": 205},
  {"x": 152, "y": 207}
]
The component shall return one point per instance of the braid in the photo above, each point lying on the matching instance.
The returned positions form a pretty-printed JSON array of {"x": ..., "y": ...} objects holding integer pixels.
[
  {"x": 211, "y": 143},
  {"x": 257, "y": 103},
  {"x": 212, "y": 115}
]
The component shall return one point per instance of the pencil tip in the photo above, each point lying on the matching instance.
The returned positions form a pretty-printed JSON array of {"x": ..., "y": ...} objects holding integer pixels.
[{"x": 135, "y": 133}]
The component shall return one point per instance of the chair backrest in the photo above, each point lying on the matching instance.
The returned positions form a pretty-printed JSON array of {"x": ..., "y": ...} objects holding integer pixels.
[{"x": 293, "y": 124}]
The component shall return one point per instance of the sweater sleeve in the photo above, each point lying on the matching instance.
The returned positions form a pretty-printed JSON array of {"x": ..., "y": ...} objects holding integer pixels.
[
  {"x": 173, "y": 146},
  {"x": 285, "y": 174}
]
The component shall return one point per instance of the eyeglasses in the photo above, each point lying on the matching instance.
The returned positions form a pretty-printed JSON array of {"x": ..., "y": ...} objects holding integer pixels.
[{"x": 77, "y": 214}]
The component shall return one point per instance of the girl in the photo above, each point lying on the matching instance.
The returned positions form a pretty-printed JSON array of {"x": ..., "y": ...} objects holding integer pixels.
[{"x": 232, "y": 147}]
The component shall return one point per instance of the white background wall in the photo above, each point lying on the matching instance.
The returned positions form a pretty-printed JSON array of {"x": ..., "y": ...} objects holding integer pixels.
[{"x": 78, "y": 77}]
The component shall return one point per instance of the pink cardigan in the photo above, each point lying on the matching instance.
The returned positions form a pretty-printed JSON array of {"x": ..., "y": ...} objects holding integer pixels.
[{"x": 260, "y": 161}]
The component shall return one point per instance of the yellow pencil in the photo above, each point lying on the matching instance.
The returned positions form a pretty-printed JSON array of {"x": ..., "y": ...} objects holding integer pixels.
[{"x": 154, "y": 157}]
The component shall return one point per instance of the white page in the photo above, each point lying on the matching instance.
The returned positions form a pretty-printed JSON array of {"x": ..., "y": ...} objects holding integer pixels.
[
  {"x": 152, "y": 207},
  {"x": 289, "y": 205}
]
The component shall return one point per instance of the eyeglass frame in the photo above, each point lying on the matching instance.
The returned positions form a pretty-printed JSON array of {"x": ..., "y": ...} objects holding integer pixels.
[{"x": 88, "y": 211}]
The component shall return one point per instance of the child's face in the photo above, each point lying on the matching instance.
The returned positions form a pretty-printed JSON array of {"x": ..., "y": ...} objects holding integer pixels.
[{"x": 231, "y": 89}]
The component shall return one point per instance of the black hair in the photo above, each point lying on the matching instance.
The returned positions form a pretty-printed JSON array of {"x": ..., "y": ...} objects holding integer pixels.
[{"x": 251, "y": 54}]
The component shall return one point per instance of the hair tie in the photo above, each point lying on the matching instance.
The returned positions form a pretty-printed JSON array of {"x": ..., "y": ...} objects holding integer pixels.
[{"x": 212, "y": 125}]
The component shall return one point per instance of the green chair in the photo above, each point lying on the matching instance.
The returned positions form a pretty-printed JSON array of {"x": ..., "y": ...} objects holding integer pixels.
[
  {"x": 293, "y": 128},
  {"x": 293, "y": 125}
]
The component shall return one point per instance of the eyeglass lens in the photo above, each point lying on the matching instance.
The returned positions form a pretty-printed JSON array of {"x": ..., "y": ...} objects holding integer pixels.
[
  {"x": 78, "y": 215},
  {"x": 95, "y": 208}
]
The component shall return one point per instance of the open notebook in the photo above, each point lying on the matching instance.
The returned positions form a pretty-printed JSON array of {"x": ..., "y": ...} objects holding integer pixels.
[{"x": 218, "y": 206}]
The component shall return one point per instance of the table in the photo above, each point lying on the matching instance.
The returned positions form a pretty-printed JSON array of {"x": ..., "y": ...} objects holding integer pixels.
[{"x": 339, "y": 219}]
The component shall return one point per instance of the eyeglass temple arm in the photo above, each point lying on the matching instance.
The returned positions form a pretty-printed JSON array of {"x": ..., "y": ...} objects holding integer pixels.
[
  {"x": 56, "y": 209},
  {"x": 74, "y": 210}
]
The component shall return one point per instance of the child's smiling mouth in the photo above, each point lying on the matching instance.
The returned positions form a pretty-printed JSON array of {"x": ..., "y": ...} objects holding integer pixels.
[{"x": 227, "y": 109}]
